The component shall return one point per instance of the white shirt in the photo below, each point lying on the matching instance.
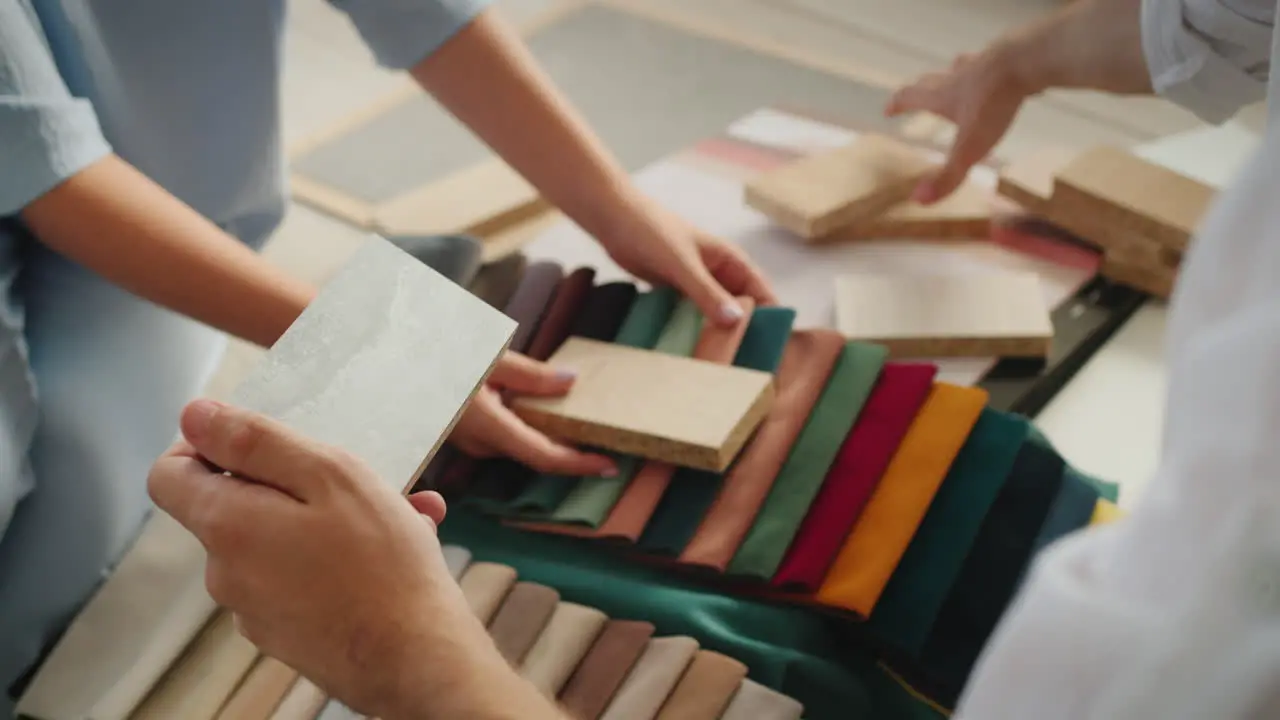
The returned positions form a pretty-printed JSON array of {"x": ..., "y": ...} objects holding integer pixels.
[{"x": 1174, "y": 612}]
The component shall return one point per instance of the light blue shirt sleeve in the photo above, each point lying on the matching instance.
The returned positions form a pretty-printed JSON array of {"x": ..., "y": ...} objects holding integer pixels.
[
  {"x": 1212, "y": 57},
  {"x": 401, "y": 33},
  {"x": 46, "y": 134}
]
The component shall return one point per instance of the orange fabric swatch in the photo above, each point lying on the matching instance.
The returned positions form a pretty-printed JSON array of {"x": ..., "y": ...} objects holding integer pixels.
[
  {"x": 806, "y": 364},
  {"x": 631, "y": 513},
  {"x": 1105, "y": 512},
  {"x": 899, "y": 503}
]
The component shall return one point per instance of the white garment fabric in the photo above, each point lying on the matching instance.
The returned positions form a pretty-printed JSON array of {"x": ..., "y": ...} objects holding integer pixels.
[{"x": 1174, "y": 612}]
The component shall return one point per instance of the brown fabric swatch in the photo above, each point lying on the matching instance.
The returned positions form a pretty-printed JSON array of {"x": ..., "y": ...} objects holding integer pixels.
[
  {"x": 565, "y": 640},
  {"x": 754, "y": 701},
  {"x": 568, "y": 301},
  {"x": 497, "y": 282},
  {"x": 485, "y": 585},
  {"x": 521, "y": 619},
  {"x": 704, "y": 692},
  {"x": 605, "y": 666},
  {"x": 806, "y": 364},
  {"x": 652, "y": 679},
  {"x": 531, "y": 301},
  {"x": 261, "y": 691}
]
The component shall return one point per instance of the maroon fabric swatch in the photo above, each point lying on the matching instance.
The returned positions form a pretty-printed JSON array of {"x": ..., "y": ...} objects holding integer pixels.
[{"x": 866, "y": 452}]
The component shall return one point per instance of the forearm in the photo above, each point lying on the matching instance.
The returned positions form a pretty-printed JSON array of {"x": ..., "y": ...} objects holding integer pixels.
[
  {"x": 1089, "y": 44},
  {"x": 115, "y": 221},
  {"x": 487, "y": 78}
]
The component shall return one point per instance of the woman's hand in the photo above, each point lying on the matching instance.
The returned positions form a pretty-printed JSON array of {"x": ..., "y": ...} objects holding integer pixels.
[
  {"x": 981, "y": 94},
  {"x": 660, "y": 247},
  {"x": 488, "y": 428}
]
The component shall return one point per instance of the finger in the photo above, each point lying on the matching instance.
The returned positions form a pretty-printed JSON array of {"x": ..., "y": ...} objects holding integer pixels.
[
  {"x": 924, "y": 95},
  {"x": 254, "y": 447},
  {"x": 221, "y": 511},
  {"x": 716, "y": 303},
  {"x": 524, "y": 375},
  {"x": 514, "y": 439},
  {"x": 737, "y": 273},
  {"x": 968, "y": 150},
  {"x": 429, "y": 504}
]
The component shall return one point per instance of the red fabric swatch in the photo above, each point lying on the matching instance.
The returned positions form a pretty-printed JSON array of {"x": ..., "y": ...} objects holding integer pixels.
[{"x": 866, "y": 452}]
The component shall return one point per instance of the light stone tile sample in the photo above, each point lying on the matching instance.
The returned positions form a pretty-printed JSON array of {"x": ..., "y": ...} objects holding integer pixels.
[{"x": 380, "y": 365}]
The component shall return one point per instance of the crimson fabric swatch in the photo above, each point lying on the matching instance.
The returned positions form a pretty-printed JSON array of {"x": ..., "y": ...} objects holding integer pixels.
[
  {"x": 990, "y": 575},
  {"x": 862, "y": 459}
]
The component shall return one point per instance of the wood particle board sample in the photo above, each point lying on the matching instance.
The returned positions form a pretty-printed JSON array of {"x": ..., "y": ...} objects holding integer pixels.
[
  {"x": 1028, "y": 180},
  {"x": 1127, "y": 199},
  {"x": 821, "y": 193},
  {"x": 479, "y": 200},
  {"x": 686, "y": 412},
  {"x": 198, "y": 685},
  {"x": 1139, "y": 275},
  {"x": 962, "y": 315},
  {"x": 965, "y": 213},
  {"x": 381, "y": 365}
]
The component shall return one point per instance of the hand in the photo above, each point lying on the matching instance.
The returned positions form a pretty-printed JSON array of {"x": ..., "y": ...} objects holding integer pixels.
[
  {"x": 981, "y": 94},
  {"x": 662, "y": 248},
  {"x": 489, "y": 428}
]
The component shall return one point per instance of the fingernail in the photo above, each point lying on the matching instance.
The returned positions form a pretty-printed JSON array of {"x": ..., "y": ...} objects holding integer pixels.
[
  {"x": 565, "y": 375},
  {"x": 922, "y": 194},
  {"x": 609, "y": 472},
  {"x": 198, "y": 417},
  {"x": 731, "y": 312}
]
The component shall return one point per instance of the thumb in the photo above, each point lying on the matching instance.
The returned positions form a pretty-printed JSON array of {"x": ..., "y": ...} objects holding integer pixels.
[
  {"x": 429, "y": 504},
  {"x": 253, "y": 447},
  {"x": 713, "y": 301},
  {"x": 524, "y": 375}
]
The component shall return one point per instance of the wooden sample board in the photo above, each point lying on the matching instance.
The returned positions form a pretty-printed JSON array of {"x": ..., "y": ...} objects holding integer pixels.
[
  {"x": 1028, "y": 180},
  {"x": 961, "y": 315},
  {"x": 380, "y": 364},
  {"x": 965, "y": 213},
  {"x": 821, "y": 193},
  {"x": 690, "y": 413}
]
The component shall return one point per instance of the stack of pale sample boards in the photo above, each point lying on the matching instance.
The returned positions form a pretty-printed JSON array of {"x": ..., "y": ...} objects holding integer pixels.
[{"x": 861, "y": 191}]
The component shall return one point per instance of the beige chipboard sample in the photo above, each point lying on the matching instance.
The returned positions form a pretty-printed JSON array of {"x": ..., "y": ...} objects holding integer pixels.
[
  {"x": 821, "y": 193},
  {"x": 965, "y": 213},
  {"x": 1028, "y": 180},
  {"x": 686, "y": 412},
  {"x": 381, "y": 364},
  {"x": 940, "y": 315}
]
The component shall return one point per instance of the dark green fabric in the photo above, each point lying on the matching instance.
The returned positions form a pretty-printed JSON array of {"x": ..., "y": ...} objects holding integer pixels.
[
  {"x": 591, "y": 498},
  {"x": 691, "y": 492},
  {"x": 906, "y": 610},
  {"x": 1106, "y": 489},
  {"x": 800, "y": 478},
  {"x": 792, "y": 649},
  {"x": 1071, "y": 510},
  {"x": 640, "y": 329}
]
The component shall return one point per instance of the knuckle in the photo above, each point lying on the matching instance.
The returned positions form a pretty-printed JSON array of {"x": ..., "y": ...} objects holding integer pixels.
[
  {"x": 244, "y": 437},
  {"x": 223, "y": 533}
]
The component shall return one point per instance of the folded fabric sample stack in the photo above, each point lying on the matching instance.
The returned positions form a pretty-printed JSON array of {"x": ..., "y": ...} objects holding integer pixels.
[{"x": 870, "y": 492}]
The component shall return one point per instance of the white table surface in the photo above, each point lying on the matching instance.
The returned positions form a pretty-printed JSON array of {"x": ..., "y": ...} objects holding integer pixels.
[{"x": 1108, "y": 420}]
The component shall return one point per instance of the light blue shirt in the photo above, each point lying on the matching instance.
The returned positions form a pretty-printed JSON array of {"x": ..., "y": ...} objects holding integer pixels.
[{"x": 186, "y": 91}]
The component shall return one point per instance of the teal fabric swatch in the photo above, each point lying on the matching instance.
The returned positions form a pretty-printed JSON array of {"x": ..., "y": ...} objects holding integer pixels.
[
  {"x": 1106, "y": 489},
  {"x": 907, "y": 608},
  {"x": 591, "y": 498},
  {"x": 691, "y": 492},
  {"x": 801, "y": 477},
  {"x": 1071, "y": 510},
  {"x": 642, "y": 328}
]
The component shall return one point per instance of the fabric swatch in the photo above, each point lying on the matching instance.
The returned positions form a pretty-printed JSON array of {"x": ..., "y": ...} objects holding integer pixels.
[
  {"x": 706, "y": 688},
  {"x": 792, "y": 494},
  {"x": 1107, "y": 489},
  {"x": 990, "y": 575},
  {"x": 1105, "y": 512},
  {"x": 260, "y": 692},
  {"x": 565, "y": 640},
  {"x": 497, "y": 282},
  {"x": 672, "y": 523},
  {"x": 911, "y": 600},
  {"x": 897, "y": 507},
  {"x": 1072, "y": 509},
  {"x": 494, "y": 483},
  {"x": 531, "y": 301},
  {"x": 521, "y": 619},
  {"x": 806, "y": 364},
  {"x": 861, "y": 461},
  {"x": 754, "y": 701},
  {"x": 605, "y": 666},
  {"x": 485, "y": 585},
  {"x": 593, "y": 497},
  {"x": 652, "y": 679},
  {"x": 456, "y": 558}
]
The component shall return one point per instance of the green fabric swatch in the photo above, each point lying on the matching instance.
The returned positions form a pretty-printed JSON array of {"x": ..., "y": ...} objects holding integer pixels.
[
  {"x": 691, "y": 492},
  {"x": 906, "y": 610},
  {"x": 800, "y": 479},
  {"x": 642, "y": 328},
  {"x": 1071, "y": 510},
  {"x": 591, "y": 498},
  {"x": 791, "y": 649},
  {"x": 1106, "y": 489}
]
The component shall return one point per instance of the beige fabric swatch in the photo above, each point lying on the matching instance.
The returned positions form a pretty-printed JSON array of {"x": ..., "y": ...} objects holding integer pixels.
[
  {"x": 520, "y": 621},
  {"x": 485, "y": 585},
  {"x": 261, "y": 691},
  {"x": 198, "y": 685},
  {"x": 456, "y": 558},
  {"x": 706, "y": 688},
  {"x": 304, "y": 702},
  {"x": 652, "y": 679},
  {"x": 754, "y": 701},
  {"x": 564, "y": 641}
]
